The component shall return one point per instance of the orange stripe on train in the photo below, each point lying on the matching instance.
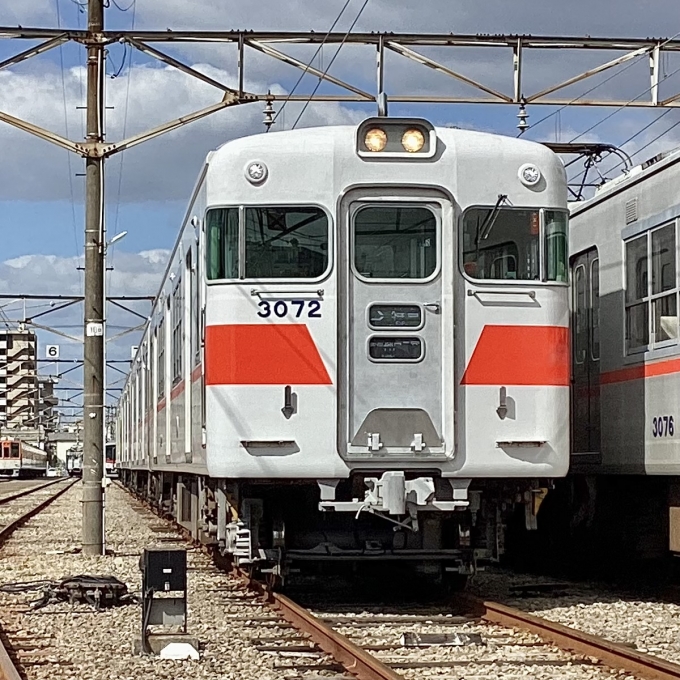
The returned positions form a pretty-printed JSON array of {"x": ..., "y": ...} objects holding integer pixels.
[
  {"x": 263, "y": 354},
  {"x": 520, "y": 355},
  {"x": 640, "y": 371}
]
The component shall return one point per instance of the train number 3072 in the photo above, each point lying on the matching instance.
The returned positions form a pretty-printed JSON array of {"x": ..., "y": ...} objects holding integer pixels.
[
  {"x": 296, "y": 308},
  {"x": 663, "y": 426}
]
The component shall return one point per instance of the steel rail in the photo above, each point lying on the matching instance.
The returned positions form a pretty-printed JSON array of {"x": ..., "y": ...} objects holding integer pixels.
[
  {"x": 353, "y": 658},
  {"x": 8, "y": 671},
  {"x": 610, "y": 653},
  {"x": 27, "y": 492}
]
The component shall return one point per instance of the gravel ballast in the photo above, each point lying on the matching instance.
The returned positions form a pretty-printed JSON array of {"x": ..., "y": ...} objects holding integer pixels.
[{"x": 73, "y": 641}]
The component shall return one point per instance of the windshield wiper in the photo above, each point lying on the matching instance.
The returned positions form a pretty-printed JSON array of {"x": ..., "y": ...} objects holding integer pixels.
[{"x": 486, "y": 228}]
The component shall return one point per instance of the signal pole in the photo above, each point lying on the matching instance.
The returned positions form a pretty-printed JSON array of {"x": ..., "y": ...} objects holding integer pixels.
[{"x": 93, "y": 365}]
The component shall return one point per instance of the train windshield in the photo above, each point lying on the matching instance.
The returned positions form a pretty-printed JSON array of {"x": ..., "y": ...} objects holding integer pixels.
[
  {"x": 394, "y": 242},
  {"x": 267, "y": 243},
  {"x": 504, "y": 243}
]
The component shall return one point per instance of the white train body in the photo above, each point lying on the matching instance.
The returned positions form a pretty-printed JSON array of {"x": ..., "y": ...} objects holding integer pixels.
[
  {"x": 19, "y": 459},
  {"x": 626, "y": 359},
  {"x": 385, "y": 332}
]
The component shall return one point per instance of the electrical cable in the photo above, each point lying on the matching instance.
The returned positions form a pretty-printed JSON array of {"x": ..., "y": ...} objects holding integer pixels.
[
  {"x": 304, "y": 72},
  {"x": 621, "y": 108},
  {"x": 642, "y": 148},
  {"x": 124, "y": 9},
  {"x": 330, "y": 63},
  {"x": 126, "y": 108},
  {"x": 68, "y": 153}
]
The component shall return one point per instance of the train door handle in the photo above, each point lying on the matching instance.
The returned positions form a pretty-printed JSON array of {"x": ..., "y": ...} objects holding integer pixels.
[{"x": 433, "y": 307}]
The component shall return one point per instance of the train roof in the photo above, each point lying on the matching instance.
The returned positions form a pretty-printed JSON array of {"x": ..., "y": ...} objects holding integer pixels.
[{"x": 342, "y": 139}]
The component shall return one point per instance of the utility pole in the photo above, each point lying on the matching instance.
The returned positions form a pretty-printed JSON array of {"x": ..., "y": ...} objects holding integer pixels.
[{"x": 93, "y": 365}]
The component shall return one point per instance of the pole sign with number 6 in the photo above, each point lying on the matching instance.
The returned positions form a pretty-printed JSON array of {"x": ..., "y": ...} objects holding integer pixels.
[{"x": 52, "y": 351}]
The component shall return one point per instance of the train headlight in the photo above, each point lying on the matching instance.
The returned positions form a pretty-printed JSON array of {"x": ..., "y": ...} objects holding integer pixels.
[
  {"x": 413, "y": 140},
  {"x": 529, "y": 175},
  {"x": 375, "y": 139},
  {"x": 379, "y": 139}
]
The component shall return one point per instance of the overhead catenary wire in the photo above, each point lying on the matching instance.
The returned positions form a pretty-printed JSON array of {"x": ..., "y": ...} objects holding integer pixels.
[
  {"x": 621, "y": 108},
  {"x": 125, "y": 121},
  {"x": 68, "y": 153},
  {"x": 330, "y": 63},
  {"x": 648, "y": 144},
  {"x": 314, "y": 56}
]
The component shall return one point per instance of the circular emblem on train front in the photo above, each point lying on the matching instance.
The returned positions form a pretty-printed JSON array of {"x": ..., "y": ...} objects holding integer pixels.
[
  {"x": 256, "y": 172},
  {"x": 529, "y": 175}
]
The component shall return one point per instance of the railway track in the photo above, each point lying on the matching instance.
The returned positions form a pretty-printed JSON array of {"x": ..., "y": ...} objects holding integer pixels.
[
  {"x": 12, "y": 489},
  {"x": 18, "y": 508},
  {"x": 15, "y": 510},
  {"x": 392, "y": 647},
  {"x": 321, "y": 640}
]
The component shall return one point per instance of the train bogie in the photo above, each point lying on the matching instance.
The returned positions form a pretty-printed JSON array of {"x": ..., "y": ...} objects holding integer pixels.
[{"x": 357, "y": 354}]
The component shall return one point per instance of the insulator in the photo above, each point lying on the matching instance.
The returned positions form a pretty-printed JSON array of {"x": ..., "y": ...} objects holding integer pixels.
[
  {"x": 268, "y": 114},
  {"x": 522, "y": 126}
]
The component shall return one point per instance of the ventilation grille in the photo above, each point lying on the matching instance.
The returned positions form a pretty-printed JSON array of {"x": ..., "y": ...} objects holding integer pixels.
[{"x": 631, "y": 211}]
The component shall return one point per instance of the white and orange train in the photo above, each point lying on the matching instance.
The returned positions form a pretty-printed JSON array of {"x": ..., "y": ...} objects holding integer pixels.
[
  {"x": 623, "y": 495},
  {"x": 20, "y": 459},
  {"x": 360, "y": 348}
]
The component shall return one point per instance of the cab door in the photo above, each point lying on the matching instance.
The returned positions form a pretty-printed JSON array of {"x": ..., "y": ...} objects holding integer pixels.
[
  {"x": 397, "y": 398},
  {"x": 585, "y": 401}
]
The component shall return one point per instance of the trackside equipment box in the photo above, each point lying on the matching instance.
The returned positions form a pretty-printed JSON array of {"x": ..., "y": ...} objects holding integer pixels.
[{"x": 164, "y": 570}]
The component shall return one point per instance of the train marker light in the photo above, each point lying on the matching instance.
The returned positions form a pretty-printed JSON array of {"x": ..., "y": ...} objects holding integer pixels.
[
  {"x": 256, "y": 172},
  {"x": 375, "y": 139},
  {"x": 529, "y": 175},
  {"x": 413, "y": 140}
]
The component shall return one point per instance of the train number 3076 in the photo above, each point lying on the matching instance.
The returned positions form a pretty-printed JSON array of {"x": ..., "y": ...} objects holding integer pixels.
[
  {"x": 296, "y": 308},
  {"x": 663, "y": 426}
]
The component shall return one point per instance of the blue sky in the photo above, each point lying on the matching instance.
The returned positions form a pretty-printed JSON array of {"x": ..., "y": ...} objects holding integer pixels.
[{"x": 41, "y": 210}]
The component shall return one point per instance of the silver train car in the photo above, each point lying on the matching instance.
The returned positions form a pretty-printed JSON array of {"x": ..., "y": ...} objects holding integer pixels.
[
  {"x": 623, "y": 493},
  {"x": 360, "y": 349},
  {"x": 19, "y": 459}
]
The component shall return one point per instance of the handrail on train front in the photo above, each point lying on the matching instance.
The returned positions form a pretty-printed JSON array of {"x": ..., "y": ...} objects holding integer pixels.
[
  {"x": 476, "y": 293},
  {"x": 279, "y": 294}
]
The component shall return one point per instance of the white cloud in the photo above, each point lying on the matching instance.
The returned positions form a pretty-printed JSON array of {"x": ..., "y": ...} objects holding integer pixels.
[
  {"x": 163, "y": 169},
  {"x": 135, "y": 274}
]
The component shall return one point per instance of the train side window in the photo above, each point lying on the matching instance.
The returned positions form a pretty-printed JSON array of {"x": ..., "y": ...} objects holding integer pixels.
[
  {"x": 652, "y": 289},
  {"x": 665, "y": 303},
  {"x": 222, "y": 225},
  {"x": 177, "y": 324},
  {"x": 160, "y": 343},
  {"x": 581, "y": 320},
  {"x": 15, "y": 449},
  {"x": 395, "y": 242},
  {"x": 556, "y": 245},
  {"x": 637, "y": 305},
  {"x": 595, "y": 309}
]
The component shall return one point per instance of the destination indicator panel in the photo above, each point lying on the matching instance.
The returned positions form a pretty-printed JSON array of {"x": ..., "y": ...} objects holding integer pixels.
[
  {"x": 395, "y": 316},
  {"x": 381, "y": 348}
]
